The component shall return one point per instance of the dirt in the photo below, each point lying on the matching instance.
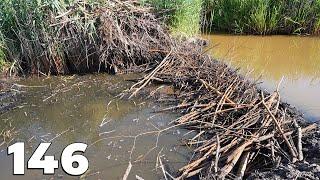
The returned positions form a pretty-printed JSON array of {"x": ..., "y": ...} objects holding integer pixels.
[{"x": 307, "y": 169}]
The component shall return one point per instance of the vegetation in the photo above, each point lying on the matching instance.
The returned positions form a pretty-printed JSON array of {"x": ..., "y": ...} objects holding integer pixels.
[
  {"x": 71, "y": 36},
  {"x": 40, "y": 34},
  {"x": 3, "y": 63},
  {"x": 246, "y": 16},
  {"x": 183, "y": 16}
]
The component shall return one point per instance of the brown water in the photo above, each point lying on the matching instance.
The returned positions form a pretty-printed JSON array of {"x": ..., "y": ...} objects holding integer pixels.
[
  {"x": 296, "y": 59},
  {"x": 64, "y": 110}
]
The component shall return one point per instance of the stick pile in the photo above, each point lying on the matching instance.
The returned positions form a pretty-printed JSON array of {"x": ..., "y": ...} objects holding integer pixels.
[{"x": 238, "y": 127}]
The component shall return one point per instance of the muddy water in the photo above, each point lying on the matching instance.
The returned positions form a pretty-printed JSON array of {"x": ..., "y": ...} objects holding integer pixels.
[
  {"x": 296, "y": 59},
  {"x": 64, "y": 110}
]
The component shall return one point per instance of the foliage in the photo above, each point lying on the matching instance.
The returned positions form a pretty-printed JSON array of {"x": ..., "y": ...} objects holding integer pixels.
[
  {"x": 184, "y": 16},
  {"x": 38, "y": 33},
  {"x": 264, "y": 16},
  {"x": 244, "y": 16}
]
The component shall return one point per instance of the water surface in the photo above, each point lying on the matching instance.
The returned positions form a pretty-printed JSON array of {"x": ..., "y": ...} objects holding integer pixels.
[
  {"x": 64, "y": 110},
  {"x": 294, "y": 59}
]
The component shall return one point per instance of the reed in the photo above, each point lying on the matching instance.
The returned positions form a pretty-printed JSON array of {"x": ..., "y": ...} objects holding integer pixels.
[
  {"x": 316, "y": 29},
  {"x": 242, "y": 16},
  {"x": 38, "y": 36},
  {"x": 2, "y": 54},
  {"x": 187, "y": 18},
  {"x": 262, "y": 16},
  {"x": 183, "y": 16}
]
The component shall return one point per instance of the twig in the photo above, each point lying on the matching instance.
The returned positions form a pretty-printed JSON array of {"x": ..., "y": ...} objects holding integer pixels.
[{"x": 126, "y": 174}]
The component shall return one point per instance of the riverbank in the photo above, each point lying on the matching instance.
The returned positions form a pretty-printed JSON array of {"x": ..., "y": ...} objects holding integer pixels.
[
  {"x": 261, "y": 17},
  {"x": 307, "y": 169},
  {"x": 237, "y": 125},
  {"x": 68, "y": 40}
]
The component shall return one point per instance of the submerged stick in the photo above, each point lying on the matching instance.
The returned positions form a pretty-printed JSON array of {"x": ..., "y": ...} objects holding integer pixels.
[{"x": 126, "y": 174}]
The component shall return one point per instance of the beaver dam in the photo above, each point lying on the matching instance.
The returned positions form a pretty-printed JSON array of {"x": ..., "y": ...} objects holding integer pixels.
[{"x": 229, "y": 127}]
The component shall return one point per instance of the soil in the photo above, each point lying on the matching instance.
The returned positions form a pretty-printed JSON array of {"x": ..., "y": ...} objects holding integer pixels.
[{"x": 307, "y": 169}]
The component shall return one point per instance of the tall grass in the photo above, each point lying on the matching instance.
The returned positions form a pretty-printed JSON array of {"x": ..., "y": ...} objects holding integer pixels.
[
  {"x": 243, "y": 16},
  {"x": 262, "y": 16},
  {"x": 3, "y": 62},
  {"x": 183, "y": 16},
  {"x": 187, "y": 17},
  {"x": 316, "y": 28},
  {"x": 40, "y": 34}
]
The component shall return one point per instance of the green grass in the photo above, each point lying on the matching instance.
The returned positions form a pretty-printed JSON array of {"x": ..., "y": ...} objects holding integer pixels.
[
  {"x": 316, "y": 29},
  {"x": 3, "y": 62},
  {"x": 183, "y": 16},
  {"x": 34, "y": 37},
  {"x": 47, "y": 34},
  {"x": 242, "y": 16},
  {"x": 187, "y": 18},
  {"x": 262, "y": 16}
]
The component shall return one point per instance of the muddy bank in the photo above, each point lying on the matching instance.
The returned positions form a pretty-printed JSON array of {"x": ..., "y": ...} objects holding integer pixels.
[{"x": 309, "y": 168}]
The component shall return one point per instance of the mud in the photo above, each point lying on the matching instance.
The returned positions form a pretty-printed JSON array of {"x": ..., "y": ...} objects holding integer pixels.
[{"x": 307, "y": 169}]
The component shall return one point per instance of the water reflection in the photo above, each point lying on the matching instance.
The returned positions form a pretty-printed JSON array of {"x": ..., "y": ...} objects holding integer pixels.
[
  {"x": 297, "y": 59},
  {"x": 64, "y": 110}
]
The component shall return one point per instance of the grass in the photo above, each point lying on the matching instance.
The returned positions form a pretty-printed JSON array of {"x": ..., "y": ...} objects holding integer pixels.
[
  {"x": 183, "y": 16},
  {"x": 187, "y": 18},
  {"x": 3, "y": 63},
  {"x": 316, "y": 29},
  {"x": 243, "y": 16},
  {"x": 48, "y": 35},
  {"x": 34, "y": 38},
  {"x": 263, "y": 16}
]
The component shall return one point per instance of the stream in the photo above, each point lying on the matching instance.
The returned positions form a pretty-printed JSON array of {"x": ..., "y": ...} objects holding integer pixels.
[
  {"x": 64, "y": 110},
  {"x": 292, "y": 60}
]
